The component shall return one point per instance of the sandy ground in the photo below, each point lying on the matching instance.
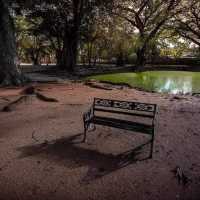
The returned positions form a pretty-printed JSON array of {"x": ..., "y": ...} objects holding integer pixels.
[{"x": 41, "y": 156}]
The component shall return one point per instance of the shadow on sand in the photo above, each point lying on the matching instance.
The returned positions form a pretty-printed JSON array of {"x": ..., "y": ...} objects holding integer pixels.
[{"x": 73, "y": 154}]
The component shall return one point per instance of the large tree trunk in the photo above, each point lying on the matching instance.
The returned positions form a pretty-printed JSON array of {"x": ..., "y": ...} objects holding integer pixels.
[
  {"x": 9, "y": 74},
  {"x": 71, "y": 40},
  {"x": 141, "y": 59},
  {"x": 70, "y": 50}
]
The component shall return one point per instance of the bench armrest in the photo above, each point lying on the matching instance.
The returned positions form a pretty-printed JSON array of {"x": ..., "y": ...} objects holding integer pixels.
[
  {"x": 87, "y": 116},
  {"x": 155, "y": 118}
]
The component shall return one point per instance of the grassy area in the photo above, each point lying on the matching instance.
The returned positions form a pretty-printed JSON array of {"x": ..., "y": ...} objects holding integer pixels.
[
  {"x": 119, "y": 78},
  {"x": 158, "y": 81}
]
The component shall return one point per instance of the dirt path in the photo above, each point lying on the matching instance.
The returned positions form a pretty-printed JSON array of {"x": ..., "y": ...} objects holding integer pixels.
[{"x": 41, "y": 156}]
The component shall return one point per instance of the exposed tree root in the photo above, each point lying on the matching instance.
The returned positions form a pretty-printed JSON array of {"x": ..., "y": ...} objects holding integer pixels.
[
  {"x": 13, "y": 104},
  {"x": 45, "y": 98},
  {"x": 27, "y": 93},
  {"x": 5, "y": 99},
  {"x": 99, "y": 85},
  {"x": 29, "y": 90}
]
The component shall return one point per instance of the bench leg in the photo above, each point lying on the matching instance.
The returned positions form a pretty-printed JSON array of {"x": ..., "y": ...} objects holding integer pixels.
[
  {"x": 93, "y": 128},
  {"x": 87, "y": 128},
  {"x": 86, "y": 125},
  {"x": 85, "y": 132},
  {"x": 152, "y": 142}
]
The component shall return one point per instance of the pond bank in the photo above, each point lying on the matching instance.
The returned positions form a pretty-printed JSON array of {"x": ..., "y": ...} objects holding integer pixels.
[{"x": 175, "y": 82}]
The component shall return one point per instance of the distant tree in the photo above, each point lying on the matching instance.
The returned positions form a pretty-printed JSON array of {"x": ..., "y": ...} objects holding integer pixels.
[
  {"x": 31, "y": 43},
  {"x": 170, "y": 43},
  {"x": 107, "y": 39},
  {"x": 80, "y": 14},
  {"x": 147, "y": 17},
  {"x": 63, "y": 23}
]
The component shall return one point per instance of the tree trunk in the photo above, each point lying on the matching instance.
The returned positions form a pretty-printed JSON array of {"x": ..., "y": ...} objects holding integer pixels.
[
  {"x": 34, "y": 58},
  {"x": 9, "y": 74},
  {"x": 120, "y": 59},
  {"x": 71, "y": 39},
  {"x": 70, "y": 50},
  {"x": 95, "y": 61},
  {"x": 59, "y": 58},
  {"x": 36, "y": 62},
  {"x": 89, "y": 54},
  {"x": 141, "y": 59}
]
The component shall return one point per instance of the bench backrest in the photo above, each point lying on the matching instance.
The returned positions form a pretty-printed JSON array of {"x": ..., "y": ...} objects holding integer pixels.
[{"x": 125, "y": 107}]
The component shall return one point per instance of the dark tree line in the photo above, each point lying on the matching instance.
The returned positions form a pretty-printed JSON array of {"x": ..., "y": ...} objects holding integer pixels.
[
  {"x": 61, "y": 22},
  {"x": 68, "y": 24}
]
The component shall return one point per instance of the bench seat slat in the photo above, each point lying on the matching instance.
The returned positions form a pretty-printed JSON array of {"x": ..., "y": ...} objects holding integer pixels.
[
  {"x": 124, "y": 113},
  {"x": 122, "y": 124}
]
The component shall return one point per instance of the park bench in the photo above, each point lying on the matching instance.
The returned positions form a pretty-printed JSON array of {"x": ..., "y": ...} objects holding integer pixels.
[{"x": 123, "y": 115}]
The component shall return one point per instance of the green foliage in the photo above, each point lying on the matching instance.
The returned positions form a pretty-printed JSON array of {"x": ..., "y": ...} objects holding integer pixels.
[
  {"x": 107, "y": 30},
  {"x": 31, "y": 45},
  {"x": 172, "y": 44}
]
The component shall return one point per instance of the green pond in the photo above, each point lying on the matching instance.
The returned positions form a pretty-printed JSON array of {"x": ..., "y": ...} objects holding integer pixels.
[{"x": 173, "y": 82}]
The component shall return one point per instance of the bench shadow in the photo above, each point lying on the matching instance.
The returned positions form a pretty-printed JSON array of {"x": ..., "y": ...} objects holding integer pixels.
[{"x": 72, "y": 153}]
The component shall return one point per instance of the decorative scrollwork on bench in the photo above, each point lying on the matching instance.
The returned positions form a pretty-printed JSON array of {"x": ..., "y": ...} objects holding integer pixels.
[
  {"x": 122, "y": 105},
  {"x": 144, "y": 107},
  {"x": 125, "y": 105},
  {"x": 103, "y": 102}
]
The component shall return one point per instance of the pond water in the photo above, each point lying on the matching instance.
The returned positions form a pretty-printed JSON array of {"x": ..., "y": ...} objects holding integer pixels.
[{"x": 173, "y": 82}]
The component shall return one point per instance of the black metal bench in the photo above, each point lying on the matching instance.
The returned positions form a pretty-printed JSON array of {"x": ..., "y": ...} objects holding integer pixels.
[{"x": 106, "y": 112}]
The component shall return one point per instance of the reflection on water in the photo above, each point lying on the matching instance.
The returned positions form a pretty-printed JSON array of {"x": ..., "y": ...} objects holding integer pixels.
[
  {"x": 176, "y": 86},
  {"x": 158, "y": 81},
  {"x": 169, "y": 82}
]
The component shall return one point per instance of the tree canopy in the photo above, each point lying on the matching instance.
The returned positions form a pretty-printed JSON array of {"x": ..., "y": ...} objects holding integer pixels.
[{"x": 88, "y": 31}]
